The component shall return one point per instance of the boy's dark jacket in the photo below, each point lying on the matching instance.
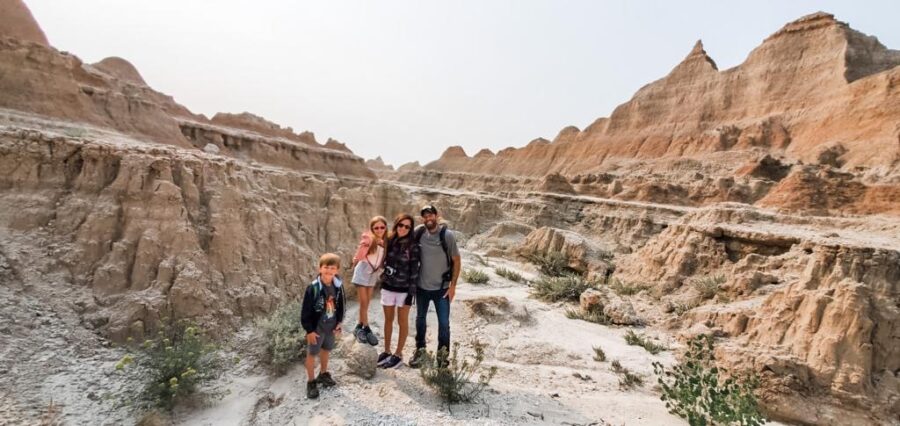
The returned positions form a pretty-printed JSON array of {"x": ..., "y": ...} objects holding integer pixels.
[{"x": 314, "y": 304}]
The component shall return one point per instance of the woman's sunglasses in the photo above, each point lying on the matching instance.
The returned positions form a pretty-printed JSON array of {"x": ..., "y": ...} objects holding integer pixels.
[
  {"x": 378, "y": 228},
  {"x": 403, "y": 225}
]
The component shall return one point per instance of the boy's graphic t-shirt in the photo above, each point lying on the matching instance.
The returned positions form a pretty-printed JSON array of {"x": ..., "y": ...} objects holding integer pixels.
[
  {"x": 329, "y": 307},
  {"x": 328, "y": 321}
]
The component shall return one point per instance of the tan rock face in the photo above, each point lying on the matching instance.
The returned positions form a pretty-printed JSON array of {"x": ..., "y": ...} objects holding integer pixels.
[
  {"x": 162, "y": 231},
  {"x": 17, "y": 22},
  {"x": 839, "y": 93},
  {"x": 121, "y": 69}
]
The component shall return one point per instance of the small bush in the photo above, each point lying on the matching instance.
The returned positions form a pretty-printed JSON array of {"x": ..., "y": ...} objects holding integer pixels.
[
  {"x": 488, "y": 306},
  {"x": 707, "y": 287},
  {"x": 681, "y": 308},
  {"x": 452, "y": 375},
  {"x": 593, "y": 314},
  {"x": 508, "y": 274},
  {"x": 635, "y": 340},
  {"x": 175, "y": 363},
  {"x": 625, "y": 289},
  {"x": 475, "y": 276},
  {"x": 285, "y": 339},
  {"x": 599, "y": 355},
  {"x": 552, "y": 264},
  {"x": 566, "y": 287},
  {"x": 693, "y": 390},
  {"x": 627, "y": 379}
]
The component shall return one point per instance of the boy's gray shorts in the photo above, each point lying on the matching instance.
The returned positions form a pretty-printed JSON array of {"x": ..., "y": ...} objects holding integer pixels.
[{"x": 323, "y": 341}]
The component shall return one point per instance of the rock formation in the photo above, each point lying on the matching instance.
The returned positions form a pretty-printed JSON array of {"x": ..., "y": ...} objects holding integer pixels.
[
  {"x": 840, "y": 92},
  {"x": 17, "y": 22}
]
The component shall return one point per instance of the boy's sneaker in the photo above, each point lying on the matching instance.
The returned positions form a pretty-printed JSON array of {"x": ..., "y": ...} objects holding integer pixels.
[
  {"x": 382, "y": 358},
  {"x": 312, "y": 390},
  {"x": 370, "y": 336},
  {"x": 325, "y": 379},
  {"x": 392, "y": 362},
  {"x": 418, "y": 358}
]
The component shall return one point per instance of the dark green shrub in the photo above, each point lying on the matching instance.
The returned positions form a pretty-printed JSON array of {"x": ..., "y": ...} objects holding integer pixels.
[
  {"x": 566, "y": 287},
  {"x": 635, "y": 340},
  {"x": 599, "y": 355},
  {"x": 553, "y": 264},
  {"x": 509, "y": 274},
  {"x": 593, "y": 314},
  {"x": 452, "y": 375},
  {"x": 475, "y": 276},
  {"x": 174, "y": 363},
  {"x": 285, "y": 339},
  {"x": 694, "y": 391}
]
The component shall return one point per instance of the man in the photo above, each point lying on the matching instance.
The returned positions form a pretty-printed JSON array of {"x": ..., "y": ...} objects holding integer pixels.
[{"x": 438, "y": 275}]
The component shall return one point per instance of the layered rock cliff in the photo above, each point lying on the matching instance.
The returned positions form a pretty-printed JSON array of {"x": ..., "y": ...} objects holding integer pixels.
[{"x": 815, "y": 92}]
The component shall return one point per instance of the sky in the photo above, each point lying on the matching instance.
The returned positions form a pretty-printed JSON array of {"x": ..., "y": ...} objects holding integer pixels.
[{"x": 404, "y": 80}]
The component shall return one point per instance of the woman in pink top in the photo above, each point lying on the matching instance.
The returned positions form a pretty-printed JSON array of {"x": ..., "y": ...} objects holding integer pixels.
[{"x": 368, "y": 262}]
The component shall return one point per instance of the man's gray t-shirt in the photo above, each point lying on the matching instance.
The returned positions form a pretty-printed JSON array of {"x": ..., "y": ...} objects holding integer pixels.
[{"x": 434, "y": 261}]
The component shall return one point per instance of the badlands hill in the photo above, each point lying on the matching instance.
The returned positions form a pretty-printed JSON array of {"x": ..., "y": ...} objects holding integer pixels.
[
  {"x": 816, "y": 92},
  {"x": 811, "y": 85},
  {"x": 120, "y": 207}
]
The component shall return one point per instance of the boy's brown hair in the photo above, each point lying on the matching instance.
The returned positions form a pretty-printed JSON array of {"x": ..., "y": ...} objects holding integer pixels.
[{"x": 330, "y": 259}]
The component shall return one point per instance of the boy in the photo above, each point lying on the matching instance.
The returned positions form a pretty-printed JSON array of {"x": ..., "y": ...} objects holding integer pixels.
[{"x": 321, "y": 316}]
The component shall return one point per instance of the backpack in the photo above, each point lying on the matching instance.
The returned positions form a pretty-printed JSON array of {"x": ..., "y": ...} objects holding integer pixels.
[{"x": 418, "y": 236}]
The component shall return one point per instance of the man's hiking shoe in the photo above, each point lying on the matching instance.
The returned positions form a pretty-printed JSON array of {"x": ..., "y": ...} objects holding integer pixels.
[
  {"x": 325, "y": 380},
  {"x": 418, "y": 358},
  {"x": 312, "y": 390},
  {"x": 382, "y": 358},
  {"x": 370, "y": 336},
  {"x": 393, "y": 361}
]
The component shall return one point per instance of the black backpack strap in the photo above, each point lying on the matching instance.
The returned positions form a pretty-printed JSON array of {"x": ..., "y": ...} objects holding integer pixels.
[
  {"x": 419, "y": 232},
  {"x": 444, "y": 246}
]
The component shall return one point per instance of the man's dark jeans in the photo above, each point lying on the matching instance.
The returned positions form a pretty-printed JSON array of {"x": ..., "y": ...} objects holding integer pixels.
[{"x": 442, "y": 306}]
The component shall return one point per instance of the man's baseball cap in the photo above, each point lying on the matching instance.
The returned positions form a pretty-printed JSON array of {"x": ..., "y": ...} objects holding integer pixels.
[{"x": 429, "y": 208}]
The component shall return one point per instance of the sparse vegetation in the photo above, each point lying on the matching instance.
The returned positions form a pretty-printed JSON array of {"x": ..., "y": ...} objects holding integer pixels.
[
  {"x": 634, "y": 339},
  {"x": 475, "y": 276},
  {"x": 488, "y": 306},
  {"x": 627, "y": 378},
  {"x": 681, "y": 308},
  {"x": 625, "y": 289},
  {"x": 174, "y": 364},
  {"x": 566, "y": 287},
  {"x": 509, "y": 274},
  {"x": 451, "y": 375},
  {"x": 593, "y": 314},
  {"x": 285, "y": 340},
  {"x": 552, "y": 264},
  {"x": 693, "y": 390},
  {"x": 707, "y": 287},
  {"x": 599, "y": 355}
]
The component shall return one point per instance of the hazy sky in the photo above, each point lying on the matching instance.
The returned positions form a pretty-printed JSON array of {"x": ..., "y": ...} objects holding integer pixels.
[{"x": 405, "y": 80}]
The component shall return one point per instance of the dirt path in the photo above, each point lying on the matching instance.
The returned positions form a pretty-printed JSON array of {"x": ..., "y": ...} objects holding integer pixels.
[{"x": 535, "y": 383}]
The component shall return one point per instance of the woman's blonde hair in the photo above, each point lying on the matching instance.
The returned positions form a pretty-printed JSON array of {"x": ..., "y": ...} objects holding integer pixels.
[{"x": 375, "y": 239}]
